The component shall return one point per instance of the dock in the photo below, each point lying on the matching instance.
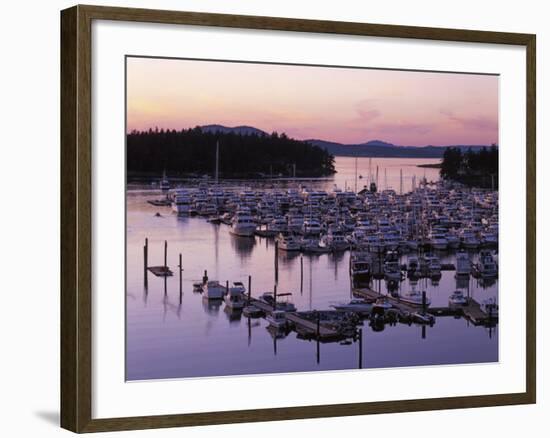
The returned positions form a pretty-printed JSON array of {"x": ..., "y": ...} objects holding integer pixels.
[
  {"x": 301, "y": 323},
  {"x": 472, "y": 311},
  {"x": 309, "y": 327}
]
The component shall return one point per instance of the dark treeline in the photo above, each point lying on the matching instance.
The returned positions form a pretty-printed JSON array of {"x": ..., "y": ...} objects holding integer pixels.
[
  {"x": 192, "y": 151},
  {"x": 473, "y": 168}
]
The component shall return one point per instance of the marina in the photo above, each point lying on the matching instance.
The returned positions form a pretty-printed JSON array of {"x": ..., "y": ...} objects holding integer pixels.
[{"x": 311, "y": 261}]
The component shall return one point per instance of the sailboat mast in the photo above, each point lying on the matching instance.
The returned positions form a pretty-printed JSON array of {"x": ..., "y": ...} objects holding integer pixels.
[
  {"x": 217, "y": 160},
  {"x": 355, "y": 174}
]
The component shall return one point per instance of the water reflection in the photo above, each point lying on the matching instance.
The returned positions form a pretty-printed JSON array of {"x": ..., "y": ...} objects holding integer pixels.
[
  {"x": 170, "y": 336},
  {"x": 243, "y": 246}
]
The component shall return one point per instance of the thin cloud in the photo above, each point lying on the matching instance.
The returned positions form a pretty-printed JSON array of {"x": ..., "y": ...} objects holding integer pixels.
[{"x": 480, "y": 123}]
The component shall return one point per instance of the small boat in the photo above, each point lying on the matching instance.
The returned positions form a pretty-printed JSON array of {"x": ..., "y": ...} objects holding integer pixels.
[
  {"x": 235, "y": 299},
  {"x": 357, "y": 305},
  {"x": 423, "y": 318},
  {"x": 164, "y": 183},
  {"x": 457, "y": 298},
  {"x": 311, "y": 227},
  {"x": 360, "y": 267},
  {"x": 283, "y": 301},
  {"x": 243, "y": 223},
  {"x": 334, "y": 240},
  {"x": 414, "y": 297},
  {"x": 311, "y": 245},
  {"x": 382, "y": 303},
  {"x": 392, "y": 271},
  {"x": 288, "y": 242},
  {"x": 463, "y": 264},
  {"x": 213, "y": 290},
  {"x": 181, "y": 202},
  {"x": 198, "y": 287},
  {"x": 433, "y": 265},
  {"x": 252, "y": 311},
  {"x": 486, "y": 267},
  {"x": 277, "y": 319},
  {"x": 490, "y": 307}
]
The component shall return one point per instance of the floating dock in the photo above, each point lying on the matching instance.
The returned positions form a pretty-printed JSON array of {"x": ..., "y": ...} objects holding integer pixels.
[
  {"x": 472, "y": 311},
  {"x": 302, "y": 324}
]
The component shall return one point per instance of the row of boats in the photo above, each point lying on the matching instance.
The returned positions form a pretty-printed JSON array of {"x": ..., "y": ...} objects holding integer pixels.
[
  {"x": 443, "y": 217},
  {"x": 364, "y": 266}
]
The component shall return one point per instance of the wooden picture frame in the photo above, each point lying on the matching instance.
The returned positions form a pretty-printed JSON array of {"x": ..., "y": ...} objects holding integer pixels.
[{"x": 76, "y": 217}]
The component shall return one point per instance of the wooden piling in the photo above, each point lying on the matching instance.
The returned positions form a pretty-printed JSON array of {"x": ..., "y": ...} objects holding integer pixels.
[
  {"x": 275, "y": 297},
  {"x": 276, "y": 261},
  {"x": 423, "y": 301},
  {"x": 301, "y": 273},
  {"x": 165, "y": 253},
  {"x": 205, "y": 277},
  {"x": 145, "y": 256},
  {"x": 360, "y": 333},
  {"x": 181, "y": 271},
  {"x": 249, "y": 288},
  {"x": 318, "y": 337},
  {"x": 227, "y": 286}
]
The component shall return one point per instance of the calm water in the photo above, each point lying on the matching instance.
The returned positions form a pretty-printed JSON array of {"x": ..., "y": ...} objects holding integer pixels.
[{"x": 169, "y": 337}]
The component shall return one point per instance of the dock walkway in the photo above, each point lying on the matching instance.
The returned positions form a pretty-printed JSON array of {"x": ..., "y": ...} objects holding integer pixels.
[
  {"x": 471, "y": 311},
  {"x": 303, "y": 324}
]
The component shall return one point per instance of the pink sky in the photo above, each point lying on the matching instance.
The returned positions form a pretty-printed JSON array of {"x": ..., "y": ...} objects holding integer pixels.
[{"x": 336, "y": 104}]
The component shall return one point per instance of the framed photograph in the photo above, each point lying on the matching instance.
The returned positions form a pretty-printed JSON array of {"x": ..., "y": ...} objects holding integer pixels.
[{"x": 269, "y": 218}]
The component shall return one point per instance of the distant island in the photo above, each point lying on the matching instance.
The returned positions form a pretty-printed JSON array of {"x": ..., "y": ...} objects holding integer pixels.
[
  {"x": 472, "y": 168},
  {"x": 372, "y": 148},
  {"x": 243, "y": 152}
]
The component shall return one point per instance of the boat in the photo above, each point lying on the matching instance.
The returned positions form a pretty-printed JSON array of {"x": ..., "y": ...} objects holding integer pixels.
[
  {"x": 243, "y": 223},
  {"x": 414, "y": 297},
  {"x": 438, "y": 240},
  {"x": 283, "y": 301},
  {"x": 310, "y": 245},
  {"x": 490, "y": 307},
  {"x": 334, "y": 240},
  {"x": 235, "y": 298},
  {"x": 238, "y": 288},
  {"x": 311, "y": 227},
  {"x": 360, "y": 267},
  {"x": 356, "y": 305},
  {"x": 413, "y": 264},
  {"x": 288, "y": 242},
  {"x": 392, "y": 271},
  {"x": 486, "y": 266},
  {"x": 252, "y": 311},
  {"x": 213, "y": 290},
  {"x": 457, "y": 298},
  {"x": 181, "y": 203},
  {"x": 469, "y": 240},
  {"x": 164, "y": 182},
  {"x": 278, "y": 225},
  {"x": 433, "y": 265},
  {"x": 277, "y": 319},
  {"x": 463, "y": 264},
  {"x": 422, "y": 318},
  {"x": 382, "y": 303}
]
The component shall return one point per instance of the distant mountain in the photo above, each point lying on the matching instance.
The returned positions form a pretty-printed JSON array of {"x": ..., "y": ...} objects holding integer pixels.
[
  {"x": 241, "y": 130},
  {"x": 373, "y": 148},
  {"x": 378, "y": 143},
  {"x": 379, "y": 148}
]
